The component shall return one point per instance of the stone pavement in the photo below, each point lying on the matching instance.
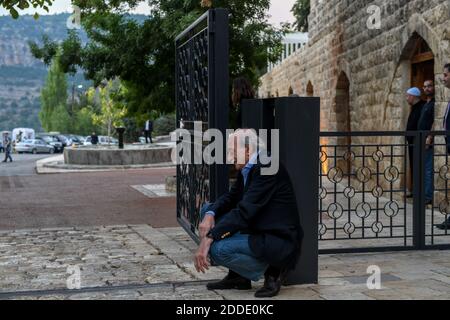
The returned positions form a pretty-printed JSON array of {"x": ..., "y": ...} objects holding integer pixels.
[{"x": 141, "y": 262}]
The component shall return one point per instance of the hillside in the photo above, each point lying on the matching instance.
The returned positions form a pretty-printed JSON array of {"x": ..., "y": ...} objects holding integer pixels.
[{"x": 21, "y": 75}]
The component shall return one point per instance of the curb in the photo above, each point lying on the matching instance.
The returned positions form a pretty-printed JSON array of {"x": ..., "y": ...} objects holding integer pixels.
[{"x": 56, "y": 165}]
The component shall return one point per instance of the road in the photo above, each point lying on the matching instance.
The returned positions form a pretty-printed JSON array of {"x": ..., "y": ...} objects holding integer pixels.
[
  {"x": 29, "y": 200},
  {"x": 22, "y": 165}
]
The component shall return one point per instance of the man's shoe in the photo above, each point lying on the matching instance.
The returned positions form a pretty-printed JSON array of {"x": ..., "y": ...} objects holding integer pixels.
[
  {"x": 409, "y": 195},
  {"x": 428, "y": 202},
  {"x": 231, "y": 281},
  {"x": 444, "y": 225},
  {"x": 271, "y": 288}
]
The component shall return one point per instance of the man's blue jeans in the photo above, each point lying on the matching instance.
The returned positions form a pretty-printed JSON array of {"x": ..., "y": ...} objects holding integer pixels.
[
  {"x": 235, "y": 254},
  {"x": 429, "y": 174}
]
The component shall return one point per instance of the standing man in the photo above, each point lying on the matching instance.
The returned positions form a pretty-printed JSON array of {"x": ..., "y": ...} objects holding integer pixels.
[
  {"x": 425, "y": 123},
  {"x": 94, "y": 139},
  {"x": 7, "y": 144},
  {"x": 148, "y": 131},
  {"x": 446, "y": 81},
  {"x": 413, "y": 98}
]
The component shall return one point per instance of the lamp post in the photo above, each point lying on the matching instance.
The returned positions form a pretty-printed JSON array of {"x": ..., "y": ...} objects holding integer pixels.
[{"x": 120, "y": 131}]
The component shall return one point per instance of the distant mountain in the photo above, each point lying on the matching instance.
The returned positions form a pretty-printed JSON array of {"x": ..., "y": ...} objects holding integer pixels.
[{"x": 21, "y": 75}]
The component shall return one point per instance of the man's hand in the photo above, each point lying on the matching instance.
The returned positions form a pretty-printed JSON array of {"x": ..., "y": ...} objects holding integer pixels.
[
  {"x": 201, "y": 257},
  {"x": 206, "y": 225}
]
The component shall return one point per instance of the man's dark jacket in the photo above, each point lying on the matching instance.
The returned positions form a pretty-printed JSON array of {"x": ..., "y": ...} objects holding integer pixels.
[{"x": 266, "y": 209}]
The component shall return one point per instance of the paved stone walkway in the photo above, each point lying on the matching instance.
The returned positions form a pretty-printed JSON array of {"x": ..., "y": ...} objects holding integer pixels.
[{"x": 141, "y": 262}]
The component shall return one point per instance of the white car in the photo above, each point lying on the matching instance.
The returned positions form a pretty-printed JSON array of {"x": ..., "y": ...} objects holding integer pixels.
[{"x": 34, "y": 146}]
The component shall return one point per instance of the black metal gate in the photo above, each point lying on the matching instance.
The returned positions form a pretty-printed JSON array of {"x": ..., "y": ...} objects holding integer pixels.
[
  {"x": 201, "y": 96},
  {"x": 363, "y": 198}
]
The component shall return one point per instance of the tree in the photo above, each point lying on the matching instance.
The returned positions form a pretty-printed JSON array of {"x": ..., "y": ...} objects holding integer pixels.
[
  {"x": 141, "y": 53},
  {"x": 113, "y": 110},
  {"x": 14, "y": 5},
  {"x": 84, "y": 123},
  {"x": 54, "y": 98},
  {"x": 301, "y": 10},
  {"x": 61, "y": 121}
]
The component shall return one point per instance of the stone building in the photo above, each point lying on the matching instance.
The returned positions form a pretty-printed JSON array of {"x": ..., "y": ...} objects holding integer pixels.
[
  {"x": 360, "y": 59},
  {"x": 361, "y": 70}
]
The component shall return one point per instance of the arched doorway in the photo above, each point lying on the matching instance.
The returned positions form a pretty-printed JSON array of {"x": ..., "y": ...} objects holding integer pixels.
[
  {"x": 343, "y": 121},
  {"x": 422, "y": 69},
  {"x": 416, "y": 65},
  {"x": 290, "y": 91},
  {"x": 309, "y": 89},
  {"x": 422, "y": 63}
]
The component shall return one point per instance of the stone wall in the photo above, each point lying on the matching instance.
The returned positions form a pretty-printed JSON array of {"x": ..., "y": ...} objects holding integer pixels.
[{"x": 375, "y": 61}]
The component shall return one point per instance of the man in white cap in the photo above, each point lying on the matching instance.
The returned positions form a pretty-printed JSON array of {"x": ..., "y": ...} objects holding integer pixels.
[{"x": 413, "y": 98}]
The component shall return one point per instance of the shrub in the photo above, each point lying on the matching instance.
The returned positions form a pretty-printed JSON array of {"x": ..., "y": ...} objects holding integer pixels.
[{"x": 164, "y": 124}]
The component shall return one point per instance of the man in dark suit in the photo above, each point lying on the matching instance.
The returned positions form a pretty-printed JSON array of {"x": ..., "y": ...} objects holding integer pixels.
[
  {"x": 425, "y": 123},
  {"x": 94, "y": 139},
  {"x": 446, "y": 124},
  {"x": 446, "y": 81},
  {"x": 148, "y": 128},
  {"x": 253, "y": 229}
]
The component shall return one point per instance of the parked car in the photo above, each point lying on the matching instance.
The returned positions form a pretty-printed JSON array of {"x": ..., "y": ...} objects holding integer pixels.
[
  {"x": 58, "y": 146},
  {"x": 61, "y": 138},
  {"x": 102, "y": 140},
  {"x": 34, "y": 146},
  {"x": 75, "y": 139}
]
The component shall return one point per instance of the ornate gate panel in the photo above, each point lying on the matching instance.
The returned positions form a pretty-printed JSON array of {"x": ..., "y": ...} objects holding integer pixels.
[{"x": 201, "y": 97}]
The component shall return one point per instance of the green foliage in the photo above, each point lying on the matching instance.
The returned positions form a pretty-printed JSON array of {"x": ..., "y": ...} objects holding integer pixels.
[
  {"x": 84, "y": 123},
  {"x": 164, "y": 124},
  {"x": 54, "y": 98},
  {"x": 47, "y": 52},
  {"x": 13, "y": 6},
  {"x": 141, "y": 53},
  {"x": 112, "y": 109},
  {"x": 301, "y": 10},
  {"x": 60, "y": 119}
]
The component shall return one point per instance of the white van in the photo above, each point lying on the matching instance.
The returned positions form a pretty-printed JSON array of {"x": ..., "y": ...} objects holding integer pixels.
[{"x": 27, "y": 134}]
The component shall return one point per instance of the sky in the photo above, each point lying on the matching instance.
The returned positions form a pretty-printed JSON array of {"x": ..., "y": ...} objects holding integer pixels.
[{"x": 279, "y": 11}]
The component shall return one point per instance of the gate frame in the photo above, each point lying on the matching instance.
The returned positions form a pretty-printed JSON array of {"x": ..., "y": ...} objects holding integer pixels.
[{"x": 217, "y": 22}]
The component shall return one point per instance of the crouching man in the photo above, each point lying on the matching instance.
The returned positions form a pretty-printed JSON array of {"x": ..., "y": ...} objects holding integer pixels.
[{"x": 254, "y": 229}]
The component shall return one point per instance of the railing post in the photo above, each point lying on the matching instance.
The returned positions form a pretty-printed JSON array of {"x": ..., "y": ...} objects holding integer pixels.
[{"x": 419, "y": 190}]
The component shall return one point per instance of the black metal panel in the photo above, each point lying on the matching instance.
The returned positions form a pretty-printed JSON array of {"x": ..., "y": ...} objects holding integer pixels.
[
  {"x": 298, "y": 121},
  {"x": 259, "y": 114},
  {"x": 201, "y": 96}
]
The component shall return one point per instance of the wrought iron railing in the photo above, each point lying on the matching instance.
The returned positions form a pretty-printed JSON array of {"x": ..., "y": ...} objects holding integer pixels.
[{"x": 363, "y": 192}]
